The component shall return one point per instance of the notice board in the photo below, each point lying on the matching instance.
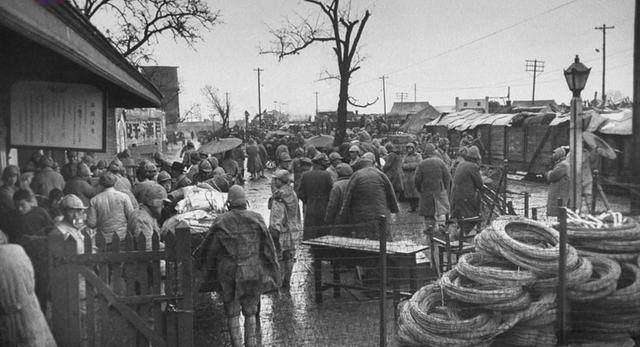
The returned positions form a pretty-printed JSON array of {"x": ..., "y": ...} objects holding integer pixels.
[{"x": 57, "y": 115}]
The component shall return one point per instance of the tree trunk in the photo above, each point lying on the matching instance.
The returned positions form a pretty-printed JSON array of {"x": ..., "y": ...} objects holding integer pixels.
[{"x": 341, "y": 125}]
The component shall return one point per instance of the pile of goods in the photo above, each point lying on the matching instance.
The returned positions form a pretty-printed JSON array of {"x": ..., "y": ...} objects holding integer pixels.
[
  {"x": 607, "y": 307},
  {"x": 197, "y": 207},
  {"x": 608, "y": 234},
  {"x": 505, "y": 293}
]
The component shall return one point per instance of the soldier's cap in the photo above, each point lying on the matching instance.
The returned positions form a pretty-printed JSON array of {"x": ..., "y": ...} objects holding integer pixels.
[
  {"x": 282, "y": 175},
  {"x": 284, "y": 156},
  {"x": 368, "y": 156},
  {"x": 71, "y": 201},
  {"x": 335, "y": 156},
  {"x": 163, "y": 176},
  {"x": 205, "y": 166},
  {"x": 236, "y": 196},
  {"x": 344, "y": 170}
]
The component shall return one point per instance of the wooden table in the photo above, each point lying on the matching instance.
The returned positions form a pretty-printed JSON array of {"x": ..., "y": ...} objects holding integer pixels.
[{"x": 351, "y": 251}]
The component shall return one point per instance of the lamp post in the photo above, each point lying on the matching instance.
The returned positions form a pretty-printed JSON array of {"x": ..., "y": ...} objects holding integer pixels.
[{"x": 576, "y": 75}]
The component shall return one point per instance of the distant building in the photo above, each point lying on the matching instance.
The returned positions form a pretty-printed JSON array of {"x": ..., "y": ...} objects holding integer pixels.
[
  {"x": 165, "y": 78},
  {"x": 536, "y": 106},
  {"x": 400, "y": 112},
  {"x": 480, "y": 105}
]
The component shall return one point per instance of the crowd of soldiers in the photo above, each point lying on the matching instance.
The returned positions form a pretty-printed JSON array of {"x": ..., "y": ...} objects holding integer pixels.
[{"x": 342, "y": 190}]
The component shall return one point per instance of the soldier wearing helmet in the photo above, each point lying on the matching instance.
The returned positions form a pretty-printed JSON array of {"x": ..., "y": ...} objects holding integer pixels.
[
  {"x": 73, "y": 220},
  {"x": 164, "y": 179},
  {"x": 145, "y": 219},
  {"x": 147, "y": 173}
]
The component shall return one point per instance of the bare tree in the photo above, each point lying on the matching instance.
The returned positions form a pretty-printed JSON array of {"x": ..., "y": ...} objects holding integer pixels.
[
  {"x": 140, "y": 23},
  {"x": 334, "y": 25},
  {"x": 218, "y": 106}
]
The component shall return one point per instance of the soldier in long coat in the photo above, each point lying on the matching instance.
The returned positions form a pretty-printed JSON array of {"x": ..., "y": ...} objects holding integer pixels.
[
  {"x": 409, "y": 166},
  {"x": 392, "y": 168},
  {"x": 432, "y": 181},
  {"x": 338, "y": 192},
  {"x": 314, "y": 190},
  {"x": 240, "y": 253},
  {"x": 369, "y": 194},
  {"x": 465, "y": 192},
  {"x": 254, "y": 162},
  {"x": 558, "y": 178},
  {"x": 284, "y": 221}
]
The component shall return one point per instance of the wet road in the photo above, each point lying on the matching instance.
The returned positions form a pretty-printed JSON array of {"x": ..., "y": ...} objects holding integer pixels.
[{"x": 293, "y": 318}]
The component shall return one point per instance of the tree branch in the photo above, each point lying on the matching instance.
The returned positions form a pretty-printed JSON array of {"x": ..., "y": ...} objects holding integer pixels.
[{"x": 353, "y": 102}]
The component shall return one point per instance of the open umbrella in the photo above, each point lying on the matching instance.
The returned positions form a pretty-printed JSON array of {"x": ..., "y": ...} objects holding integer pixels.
[
  {"x": 595, "y": 142},
  {"x": 220, "y": 145},
  {"x": 325, "y": 141}
]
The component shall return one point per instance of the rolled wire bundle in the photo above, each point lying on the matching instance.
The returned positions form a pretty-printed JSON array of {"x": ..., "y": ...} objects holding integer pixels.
[
  {"x": 529, "y": 244},
  {"x": 609, "y": 246},
  {"x": 603, "y": 281},
  {"x": 576, "y": 276},
  {"x": 616, "y": 314},
  {"x": 489, "y": 296},
  {"x": 535, "y": 325},
  {"x": 619, "y": 257},
  {"x": 425, "y": 320},
  {"x": 628, "y": 231},
  {"x": 486, "y": 269}
]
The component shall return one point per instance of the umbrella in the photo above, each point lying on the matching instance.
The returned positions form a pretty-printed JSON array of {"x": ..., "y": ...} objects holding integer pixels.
[
  {"x": 595, "y": 142},
  {"x": 220, "y": 145},
  {"x": 325, "y": 141}
]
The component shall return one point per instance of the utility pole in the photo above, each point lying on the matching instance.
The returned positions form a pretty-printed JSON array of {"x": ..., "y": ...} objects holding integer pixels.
[
  {"x": 536, "y": 66},
  {"x": 604, "y": 29},
  {"x": 259, "y": 101},
  {"x": 226, "y": 106},
  {"x": 384, "y": 96},
  {"x": 415, "y": 94},
  {"x": 635, "y": 120},
  {"x": 316, "y": 93}
]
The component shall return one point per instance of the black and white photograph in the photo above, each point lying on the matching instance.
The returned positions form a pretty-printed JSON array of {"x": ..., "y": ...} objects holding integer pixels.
[{"x": 292, "y": 173}]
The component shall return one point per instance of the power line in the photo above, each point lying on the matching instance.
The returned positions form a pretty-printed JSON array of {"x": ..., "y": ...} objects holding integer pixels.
[{"x": 486, "y": 36}]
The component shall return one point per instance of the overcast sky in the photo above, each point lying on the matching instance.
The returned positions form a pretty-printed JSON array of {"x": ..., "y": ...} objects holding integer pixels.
[{"x": 464, "y": 48}]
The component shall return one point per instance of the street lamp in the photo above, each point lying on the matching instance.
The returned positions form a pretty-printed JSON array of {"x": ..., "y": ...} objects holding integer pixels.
[{"x": 576, "y": 75}]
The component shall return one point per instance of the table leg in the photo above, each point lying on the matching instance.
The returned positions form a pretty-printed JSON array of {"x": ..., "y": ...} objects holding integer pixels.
[
  {"x": 317, "y": 271},
  {"x": 335, "y": 268}
]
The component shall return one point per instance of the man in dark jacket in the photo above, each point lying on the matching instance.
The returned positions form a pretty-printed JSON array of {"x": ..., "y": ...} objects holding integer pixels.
[
  {"x": 79, "y": 184},
  {"x": 47, "y": 179},
  {"x": 465, "y": 193},
  {"x": 338, "y": 192},
  {"x": 369, "y": 194},
  {"x": 314, "y": 190},
  {"x": 242, "y": 253},
  {"x": 432, "y": 182}
]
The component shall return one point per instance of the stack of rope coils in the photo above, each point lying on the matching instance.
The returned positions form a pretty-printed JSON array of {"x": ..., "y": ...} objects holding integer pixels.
[{"x": 620, "y": 243}]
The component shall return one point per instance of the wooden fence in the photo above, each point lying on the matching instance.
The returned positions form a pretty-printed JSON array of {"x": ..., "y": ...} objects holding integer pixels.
[{"x": 122, "y": 294}]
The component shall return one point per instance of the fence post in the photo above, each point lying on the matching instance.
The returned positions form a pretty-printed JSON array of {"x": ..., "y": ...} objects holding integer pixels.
[
  {"x": 526, "y": 204},
  {"x": 594, "y": 190},
  {"x": 382, "y": 232},
  {"x": 505, "y": 169},
  {"x": 562, "y": 284}
]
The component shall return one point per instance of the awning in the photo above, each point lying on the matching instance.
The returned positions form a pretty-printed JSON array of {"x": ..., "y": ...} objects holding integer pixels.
[
  {"x": 617, "y": 123},
  {"x": 60, "y": 27}
]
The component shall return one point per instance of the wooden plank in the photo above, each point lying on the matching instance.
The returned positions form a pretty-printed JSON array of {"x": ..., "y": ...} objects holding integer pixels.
[
  {"x": 185, "y": 306},
  {"x": 156, "y": 288},
  {"x": 58, "y": 290},
  {"x": 129, "y": 284},
  {"x": 89, "y": 316},
  {"x": 100, "y": 303},
  {"x": 142, "y": 282},
  {"x": 170, "y": 287},
  {"x": 112, "y": 299}
]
